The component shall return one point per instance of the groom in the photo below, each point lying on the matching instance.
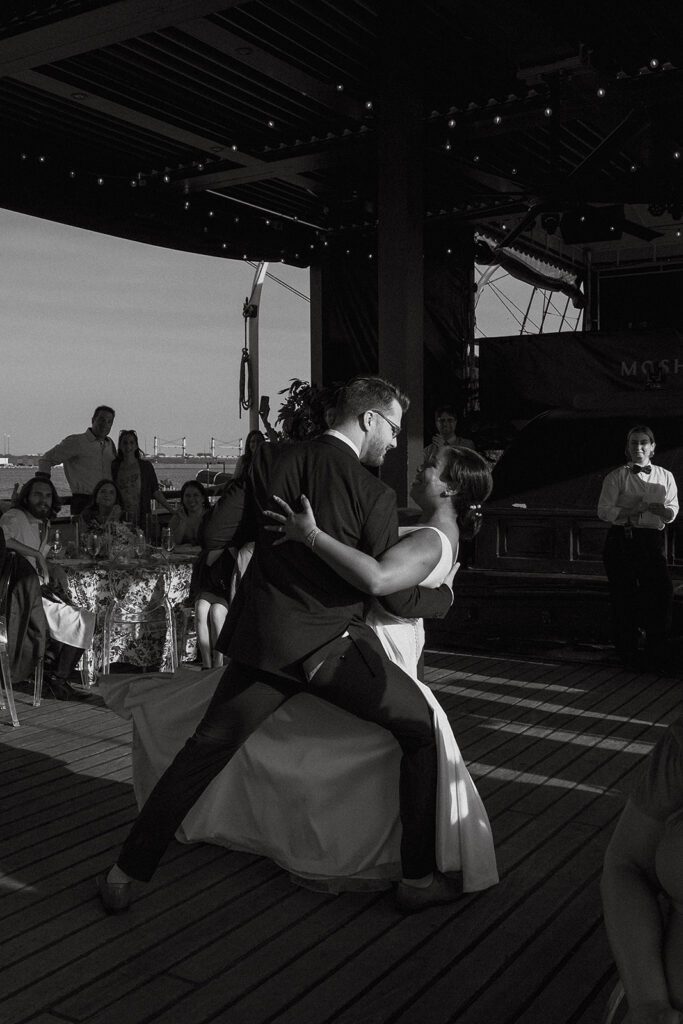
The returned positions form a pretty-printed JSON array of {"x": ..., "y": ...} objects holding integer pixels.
[{"x": 295, "y": 625}]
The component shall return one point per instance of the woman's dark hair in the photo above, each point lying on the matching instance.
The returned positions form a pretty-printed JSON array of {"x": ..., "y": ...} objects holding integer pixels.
[
  {"x": 138, "y": 451},
  {"x": 21, "y": 500},
  {"x": 199, "y": 487},
  {"x": 98, "y": 487},
  {"x": 467, "y": 473}
]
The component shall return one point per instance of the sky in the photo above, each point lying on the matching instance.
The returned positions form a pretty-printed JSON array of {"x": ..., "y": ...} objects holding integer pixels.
[{"x": 88, "y": 319}]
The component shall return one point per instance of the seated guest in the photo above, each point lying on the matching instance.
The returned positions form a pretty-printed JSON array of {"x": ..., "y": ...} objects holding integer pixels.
[
  {"x": 25, "y": 527},
  {"x": 638, "y": 500},
  {"x": 106, "y": 506},
  {"x": 446, "y": 420},
  {"x": 188, "y": 521},
  {"x": 642, "y": 887},
  {"x": 26, "y": 623},
  {"x": 136, "y": 479},
  {"x": 254, "y": 439}
]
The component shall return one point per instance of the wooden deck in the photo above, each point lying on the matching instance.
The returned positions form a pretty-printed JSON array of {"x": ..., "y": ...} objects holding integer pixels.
[{"x": 222, "y": 936}]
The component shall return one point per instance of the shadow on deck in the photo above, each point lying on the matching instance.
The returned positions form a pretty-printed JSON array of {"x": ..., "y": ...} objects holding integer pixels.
[{"x": 224, "y": 936}]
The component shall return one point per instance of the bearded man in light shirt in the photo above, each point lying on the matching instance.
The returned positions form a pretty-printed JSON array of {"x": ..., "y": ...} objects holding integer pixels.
[
  {"x": 87, "y": 458},
  {"x": 638, "y": 500}
]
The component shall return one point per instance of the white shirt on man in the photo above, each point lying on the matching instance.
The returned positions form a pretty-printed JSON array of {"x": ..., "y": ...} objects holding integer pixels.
[{"x": 87, "y": 459}]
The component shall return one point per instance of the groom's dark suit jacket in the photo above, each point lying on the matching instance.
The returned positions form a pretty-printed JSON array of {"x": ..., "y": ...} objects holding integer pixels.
[{"x": 292, "y": 604}]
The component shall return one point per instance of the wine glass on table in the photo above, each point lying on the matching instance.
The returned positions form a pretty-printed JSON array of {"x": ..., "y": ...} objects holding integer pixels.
[
  {"x": 139, "y": 543},
  {"x": 166, "y": 540}
]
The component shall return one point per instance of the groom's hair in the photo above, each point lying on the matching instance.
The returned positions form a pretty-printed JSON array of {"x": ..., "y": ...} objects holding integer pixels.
[{"x": 363, "y": 393}]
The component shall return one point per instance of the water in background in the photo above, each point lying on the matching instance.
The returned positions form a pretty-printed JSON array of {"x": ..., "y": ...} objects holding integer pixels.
[{"x": 171, "y": 477}]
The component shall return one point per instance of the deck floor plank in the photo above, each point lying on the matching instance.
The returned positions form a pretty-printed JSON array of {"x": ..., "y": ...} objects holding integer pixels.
[{"x": 223, "y": 936}]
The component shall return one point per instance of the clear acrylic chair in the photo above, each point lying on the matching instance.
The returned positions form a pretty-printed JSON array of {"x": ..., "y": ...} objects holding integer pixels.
[
  {"x": 120, "y": 612},
  {"x": 616, "y": 1005},
  {"x": 7, "y": 701}
]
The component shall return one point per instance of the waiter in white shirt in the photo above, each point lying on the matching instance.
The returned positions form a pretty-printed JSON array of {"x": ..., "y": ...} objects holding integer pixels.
[{"x": 638, "y": 499}]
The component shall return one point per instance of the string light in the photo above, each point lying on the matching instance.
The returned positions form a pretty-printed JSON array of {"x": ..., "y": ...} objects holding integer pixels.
[
  {"x": 340, "y": 87},
  {"x": 548, "y": 111},
  {"x": 368, "y": 104},
  {"x": 452, "y": 123},
  {"x": 271, "y": 124},
  {"x": 600, "y": 93},
  {"x": 654, "y": 63},
  {"x": 100, "y": 181},
  {"x": 497, "y": 119}
]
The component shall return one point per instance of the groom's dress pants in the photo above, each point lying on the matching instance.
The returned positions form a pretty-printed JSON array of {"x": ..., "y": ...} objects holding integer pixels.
[{"x": 355, "y": 675}]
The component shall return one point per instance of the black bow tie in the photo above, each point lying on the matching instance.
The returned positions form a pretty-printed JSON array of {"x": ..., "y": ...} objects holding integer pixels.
[{"x": 641, "y": 469}]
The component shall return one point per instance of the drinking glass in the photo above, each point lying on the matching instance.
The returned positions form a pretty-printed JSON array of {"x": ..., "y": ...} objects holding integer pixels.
[
  {"x": 94, "y": 544},
  {"x": 166, "y": 540}
]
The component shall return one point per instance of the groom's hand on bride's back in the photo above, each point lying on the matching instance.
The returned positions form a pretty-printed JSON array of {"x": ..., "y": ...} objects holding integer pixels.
[{"x": 451, "y": 575}]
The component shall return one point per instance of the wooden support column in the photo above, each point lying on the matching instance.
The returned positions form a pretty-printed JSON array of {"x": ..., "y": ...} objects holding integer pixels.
[{"x": 400, "y": 234}]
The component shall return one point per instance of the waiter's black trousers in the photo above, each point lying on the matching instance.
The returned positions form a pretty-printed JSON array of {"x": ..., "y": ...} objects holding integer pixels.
[{"x": 641, "y": 591}]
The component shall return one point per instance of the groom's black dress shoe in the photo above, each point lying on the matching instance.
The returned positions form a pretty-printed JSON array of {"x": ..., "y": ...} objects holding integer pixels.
[
  {"x": 442, "y": 889},
  {"x": 115, "y": 897}
]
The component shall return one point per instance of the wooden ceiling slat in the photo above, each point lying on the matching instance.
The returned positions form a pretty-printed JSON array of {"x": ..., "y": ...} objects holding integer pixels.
[
  {"x": 93, "y": 30},
  {"x": 231, "y": 44}
]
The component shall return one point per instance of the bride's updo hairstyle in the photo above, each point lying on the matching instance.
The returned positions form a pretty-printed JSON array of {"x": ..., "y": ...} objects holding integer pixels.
[{"x": 466, "y": 472}]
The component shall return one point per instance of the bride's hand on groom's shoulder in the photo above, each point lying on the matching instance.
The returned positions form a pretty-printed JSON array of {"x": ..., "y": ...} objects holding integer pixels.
[{"x": 294, "y": 525}]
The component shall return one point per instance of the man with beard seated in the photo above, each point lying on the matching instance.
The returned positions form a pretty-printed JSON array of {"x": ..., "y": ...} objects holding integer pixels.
[{"x": 70, "y": 629}]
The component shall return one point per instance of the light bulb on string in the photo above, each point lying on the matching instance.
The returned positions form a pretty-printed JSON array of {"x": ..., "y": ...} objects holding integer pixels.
[{"x": 600, "y": 93}]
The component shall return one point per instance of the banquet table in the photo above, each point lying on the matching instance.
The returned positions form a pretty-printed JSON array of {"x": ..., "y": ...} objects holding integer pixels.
[{"x": 137, "y": 586}]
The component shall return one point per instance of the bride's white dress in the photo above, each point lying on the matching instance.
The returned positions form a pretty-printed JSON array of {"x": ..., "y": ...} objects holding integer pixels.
[{"x": 314, "y": 788}]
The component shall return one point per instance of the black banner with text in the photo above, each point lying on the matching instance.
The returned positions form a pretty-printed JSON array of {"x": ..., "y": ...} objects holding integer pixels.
[{"x": 634, "y": 372}]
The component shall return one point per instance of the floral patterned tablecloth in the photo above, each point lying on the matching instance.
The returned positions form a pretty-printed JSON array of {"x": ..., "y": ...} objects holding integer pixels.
[{"x": 138, "y": 586}]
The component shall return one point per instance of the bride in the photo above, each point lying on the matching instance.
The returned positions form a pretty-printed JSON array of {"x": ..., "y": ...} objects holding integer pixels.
[{"x": 315, "y": 788}]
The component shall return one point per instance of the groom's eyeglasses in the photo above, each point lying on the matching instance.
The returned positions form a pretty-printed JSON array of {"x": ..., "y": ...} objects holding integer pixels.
[{"x": 395, "y": 429}]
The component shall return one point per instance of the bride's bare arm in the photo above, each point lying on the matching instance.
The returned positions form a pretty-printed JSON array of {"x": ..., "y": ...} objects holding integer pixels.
[{"x": 404, "y": 565}]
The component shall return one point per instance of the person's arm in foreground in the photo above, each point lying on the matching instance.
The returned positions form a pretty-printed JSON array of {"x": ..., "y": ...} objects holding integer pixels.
[
  {"x": 62, "y": 452},
  {"x": 401, "y": 566},
  {"x": 633, "y": 917},
  {"x": 38, "y": 554}
]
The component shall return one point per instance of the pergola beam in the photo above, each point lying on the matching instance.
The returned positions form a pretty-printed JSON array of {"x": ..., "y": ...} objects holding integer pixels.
[{"x": 257, "y": 169}]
